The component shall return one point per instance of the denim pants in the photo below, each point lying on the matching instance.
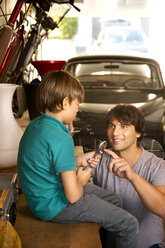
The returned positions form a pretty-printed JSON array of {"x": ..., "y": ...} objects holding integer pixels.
[
  {"x": 158, "y": 246},
  {"x": 103, "y": 207}
]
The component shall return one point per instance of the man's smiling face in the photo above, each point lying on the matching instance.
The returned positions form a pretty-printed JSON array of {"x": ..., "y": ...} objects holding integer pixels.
[{"x": 122, "y": 136}]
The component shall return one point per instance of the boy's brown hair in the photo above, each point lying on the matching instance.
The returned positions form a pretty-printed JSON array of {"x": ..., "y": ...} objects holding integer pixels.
[
  {"x": 128, "y": 114},
  {"x": 54, "y": 87}
]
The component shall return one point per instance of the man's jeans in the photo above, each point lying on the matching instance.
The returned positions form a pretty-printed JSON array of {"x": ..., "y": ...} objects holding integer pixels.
[{"x": 103, "y": 207}]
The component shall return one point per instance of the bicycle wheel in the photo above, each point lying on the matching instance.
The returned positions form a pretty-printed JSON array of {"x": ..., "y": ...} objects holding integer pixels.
[
  {"x": 10, "y": 66},
  {"x": 6, "y": 35},
  {"x": 29, "y": 49}
]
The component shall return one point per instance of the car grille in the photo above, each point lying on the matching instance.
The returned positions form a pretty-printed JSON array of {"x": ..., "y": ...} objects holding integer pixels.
[{"x": 154, "y": 146}]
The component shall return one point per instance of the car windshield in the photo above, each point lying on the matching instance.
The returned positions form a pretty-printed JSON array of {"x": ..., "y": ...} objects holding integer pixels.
[
  {"x": 118, "y": 36},
  {"x": 116, "y": 74}
]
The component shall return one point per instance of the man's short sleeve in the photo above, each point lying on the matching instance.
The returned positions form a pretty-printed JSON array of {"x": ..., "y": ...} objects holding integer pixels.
[{"x": 158, "y": 171}]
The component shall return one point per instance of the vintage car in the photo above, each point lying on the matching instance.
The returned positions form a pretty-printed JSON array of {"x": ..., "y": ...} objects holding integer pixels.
[
  {"x": 120, "y": 38},
  {"x": 117, "y": 79}
]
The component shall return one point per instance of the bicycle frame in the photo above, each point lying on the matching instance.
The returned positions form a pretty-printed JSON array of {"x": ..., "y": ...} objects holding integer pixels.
[
  {"x": 6, "y": 33},
  {"x": 10, "y": 51},
  {"x": 14, "y": 56}
]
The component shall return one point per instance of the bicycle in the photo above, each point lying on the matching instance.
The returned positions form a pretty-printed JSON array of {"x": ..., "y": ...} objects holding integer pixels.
[{"x": 14, "y": 54}]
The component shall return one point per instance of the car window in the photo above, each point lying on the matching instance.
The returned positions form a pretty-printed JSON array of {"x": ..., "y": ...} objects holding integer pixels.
[
  {"x": 122, "y": 36},
  {"x": 134, "y": 36},
  {"x": 120, "y": 39},
  {"x": 116, "y": 74}
]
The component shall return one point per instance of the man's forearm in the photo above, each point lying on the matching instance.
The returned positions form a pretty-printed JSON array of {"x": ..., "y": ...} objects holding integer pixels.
[{"x": 152, "y": 198}]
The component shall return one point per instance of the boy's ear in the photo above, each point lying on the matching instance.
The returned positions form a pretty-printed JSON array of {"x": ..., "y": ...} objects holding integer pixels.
[{"x": 65, "y": 103}]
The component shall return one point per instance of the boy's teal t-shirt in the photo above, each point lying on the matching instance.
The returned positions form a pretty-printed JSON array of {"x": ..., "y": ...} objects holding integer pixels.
[{"x": 45, "y": 150}]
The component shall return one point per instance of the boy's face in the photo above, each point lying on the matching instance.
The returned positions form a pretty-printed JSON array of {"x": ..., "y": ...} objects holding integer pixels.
[
  {"x": 122, "y": 136},
  {"x": 71, "y": 111}
]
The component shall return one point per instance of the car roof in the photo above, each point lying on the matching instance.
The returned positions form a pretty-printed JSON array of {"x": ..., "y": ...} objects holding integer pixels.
[{"x": 124, "y": 56}]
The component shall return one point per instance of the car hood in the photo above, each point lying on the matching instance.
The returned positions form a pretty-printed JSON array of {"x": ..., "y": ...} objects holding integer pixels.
[{"x": 97, "y": 103}]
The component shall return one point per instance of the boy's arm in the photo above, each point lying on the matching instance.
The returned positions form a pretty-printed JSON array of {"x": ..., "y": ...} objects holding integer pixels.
[
  {"x": 73, "y": 183},
  {"x": 78, "y": 160}
]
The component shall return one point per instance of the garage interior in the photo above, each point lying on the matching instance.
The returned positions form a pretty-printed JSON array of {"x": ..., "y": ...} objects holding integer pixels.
[{"x": 146, "y": 14}]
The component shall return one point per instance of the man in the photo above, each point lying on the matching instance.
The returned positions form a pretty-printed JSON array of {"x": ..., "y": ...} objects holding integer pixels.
[{"x": 135, "y": 174}]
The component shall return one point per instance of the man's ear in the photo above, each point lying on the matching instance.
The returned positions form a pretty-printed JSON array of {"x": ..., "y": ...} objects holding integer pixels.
[{"x": 138, "y": 135}]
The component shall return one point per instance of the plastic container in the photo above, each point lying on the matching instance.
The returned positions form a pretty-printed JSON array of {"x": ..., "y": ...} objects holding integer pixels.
[{"x": 44, "y": 66}]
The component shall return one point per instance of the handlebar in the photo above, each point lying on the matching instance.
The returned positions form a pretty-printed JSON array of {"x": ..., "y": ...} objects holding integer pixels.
[
  {"x": 71, "y": 2},
  {"x": 45, "y": 4},
  {"x": 46, "y": 21}
]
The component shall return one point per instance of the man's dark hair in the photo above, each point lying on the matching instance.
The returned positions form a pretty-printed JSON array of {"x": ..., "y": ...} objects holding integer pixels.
[{"x": 128, "y": 114}]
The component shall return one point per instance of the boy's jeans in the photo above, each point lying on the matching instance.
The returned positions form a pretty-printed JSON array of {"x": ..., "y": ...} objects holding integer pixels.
[
  {"x": 103, "y": 207},
  {"x": 158, "y": 246}
]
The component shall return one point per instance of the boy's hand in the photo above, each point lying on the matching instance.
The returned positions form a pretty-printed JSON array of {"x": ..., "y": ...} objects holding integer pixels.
[
  {"x": 88, "y": 158},
  {"x": 83, "y": 176},
  {"x": 72, "y": 129}
]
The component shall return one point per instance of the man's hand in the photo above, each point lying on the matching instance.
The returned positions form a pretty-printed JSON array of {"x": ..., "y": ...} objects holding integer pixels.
[{"x": 120, "y": 166}]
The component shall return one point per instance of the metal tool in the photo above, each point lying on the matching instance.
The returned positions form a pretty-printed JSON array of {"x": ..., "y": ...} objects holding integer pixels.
[{"x": 99, "y": 150}]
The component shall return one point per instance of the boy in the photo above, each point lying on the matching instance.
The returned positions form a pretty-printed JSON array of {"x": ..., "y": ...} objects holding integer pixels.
[
  {"x": 53, "y": 188},
  {"x": 138, "y": 176}
]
